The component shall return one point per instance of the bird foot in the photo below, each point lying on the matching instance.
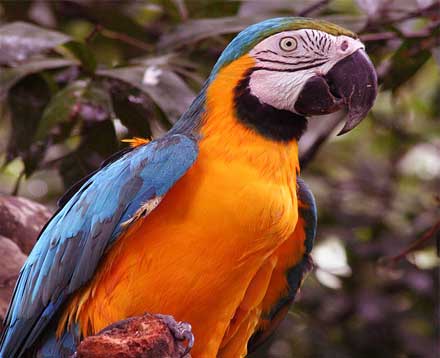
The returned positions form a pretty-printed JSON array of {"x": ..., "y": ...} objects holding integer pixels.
[{"x": 181, "y": 331}]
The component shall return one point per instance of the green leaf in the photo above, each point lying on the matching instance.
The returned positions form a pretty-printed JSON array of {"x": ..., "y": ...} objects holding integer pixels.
[
  {"x": 80, "y": 99},
  {"x": 81, "y": 52},
  {"x": 215, "y": 8},
  {"x": 196, "y": 30},
  {"x": 412, "y": 54},
  {"x": 10, "y": 76},
  {"x": 20, "y": 40},
  {"x": 98, "y": 142},
  {"x": 88, "y": 105},
  {"x": 96, "y": 104},
  {"x": 170, "y": 93},
  {"x": 62, "y": 107},
  {"x": 269, "y": 8}
]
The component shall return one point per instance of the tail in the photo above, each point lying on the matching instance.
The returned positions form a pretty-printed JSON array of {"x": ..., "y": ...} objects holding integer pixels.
[
  {"x": 51, "y": 347},
  {"x": 48, "y": 346}
]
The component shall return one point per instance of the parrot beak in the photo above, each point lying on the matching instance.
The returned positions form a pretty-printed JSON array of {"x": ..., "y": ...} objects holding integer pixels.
[{"x": 351, "y": 83}]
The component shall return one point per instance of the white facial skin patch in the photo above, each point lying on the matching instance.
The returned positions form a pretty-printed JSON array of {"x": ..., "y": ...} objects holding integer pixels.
[{"x": 285, "y": 61}]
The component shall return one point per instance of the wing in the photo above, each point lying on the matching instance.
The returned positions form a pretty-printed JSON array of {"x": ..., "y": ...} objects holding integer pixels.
[
  {"x": 71, "y": 245},
  {"x": 306, "y": 228}
]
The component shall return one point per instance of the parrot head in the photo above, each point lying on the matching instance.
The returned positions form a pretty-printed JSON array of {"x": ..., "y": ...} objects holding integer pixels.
[{"x": 298, "y": 67}]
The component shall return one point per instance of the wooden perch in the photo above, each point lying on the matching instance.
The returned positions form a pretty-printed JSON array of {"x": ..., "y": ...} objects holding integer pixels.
[{"x": 147, "y": 336}]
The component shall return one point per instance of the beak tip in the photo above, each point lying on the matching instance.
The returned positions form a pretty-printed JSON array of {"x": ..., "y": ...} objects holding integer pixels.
[
  {"x": 354, "y": 118},
  {"x": 348, "y": 126},
  {"x": 342, "y": 131}
]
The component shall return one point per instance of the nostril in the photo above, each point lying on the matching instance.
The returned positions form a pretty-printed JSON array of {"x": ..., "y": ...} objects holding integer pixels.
[{"x": 344, "y": 45}]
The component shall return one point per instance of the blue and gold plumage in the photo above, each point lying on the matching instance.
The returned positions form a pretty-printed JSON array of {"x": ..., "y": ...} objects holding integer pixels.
[{"x": 210, "y": 223}]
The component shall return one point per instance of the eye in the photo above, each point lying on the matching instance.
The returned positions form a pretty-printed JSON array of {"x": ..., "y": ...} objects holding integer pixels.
[{"x": 288, "y": 44}]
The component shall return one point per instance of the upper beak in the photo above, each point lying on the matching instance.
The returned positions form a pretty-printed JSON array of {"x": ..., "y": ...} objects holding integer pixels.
[{"x": 351, "y": 83}]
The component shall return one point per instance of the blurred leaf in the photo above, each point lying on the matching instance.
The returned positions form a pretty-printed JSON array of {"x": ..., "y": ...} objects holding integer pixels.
[
  {"x": 354, "y": 23},
  {"x": 88, "y": 104},
  {"x": 144, "y": 13},
  {"x": 81, "y": 52},
  {"x": 26, "y": 103},
  {"x": 99, "y": 96},
  {"x": 436, "y": 54},
  {"x": 175, "y": 63},
  {"x": 113, "y": 16},
  {"x": 41, "y": 12},
  {"x": 62, "y": 107},
  {"x": 20, "y": 40},
  {"x": 213, "y": 8},
  {"x": 79, "y": 99},
  {"x": 163, "y": 60},
  {"x": 408, "y": 59},
  {"x": 134, "y": 109},
  {"x": 98, "y": 142},
  {"x": 171, "y": 94},
  {"x": 271, "y": 8},
  {"x": 370, "y": 7},
  {"x": 196, "y": 30},
  {"x": 10, "y": 76}
]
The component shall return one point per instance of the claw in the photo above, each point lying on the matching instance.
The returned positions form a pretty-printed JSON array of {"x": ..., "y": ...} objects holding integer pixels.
[{"x": 182, "y": 331}]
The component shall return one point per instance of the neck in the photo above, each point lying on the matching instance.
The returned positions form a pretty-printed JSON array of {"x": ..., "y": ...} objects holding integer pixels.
[{"x": 225, "y": 135}]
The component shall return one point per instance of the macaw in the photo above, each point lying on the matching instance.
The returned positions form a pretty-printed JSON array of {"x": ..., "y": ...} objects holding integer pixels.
[{"x": 210, "y": 223}]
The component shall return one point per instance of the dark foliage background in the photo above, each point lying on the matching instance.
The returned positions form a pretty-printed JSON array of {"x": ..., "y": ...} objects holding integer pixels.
[{"x": 78, "y": 76}]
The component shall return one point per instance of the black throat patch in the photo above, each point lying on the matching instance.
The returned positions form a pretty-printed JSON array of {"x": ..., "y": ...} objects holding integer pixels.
[{"x": 272, "y": 123}]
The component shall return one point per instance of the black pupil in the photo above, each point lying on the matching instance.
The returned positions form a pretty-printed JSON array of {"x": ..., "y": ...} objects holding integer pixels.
[{"x": 288, "y": 43}]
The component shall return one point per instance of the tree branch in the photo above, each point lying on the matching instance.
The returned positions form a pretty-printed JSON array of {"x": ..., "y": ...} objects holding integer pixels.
[
  {"x": 312, "y": 141},
  {"x": 99, "y": 29},
  {"x": 308, "y": 10},
  {"x": 417, "y": 244}
]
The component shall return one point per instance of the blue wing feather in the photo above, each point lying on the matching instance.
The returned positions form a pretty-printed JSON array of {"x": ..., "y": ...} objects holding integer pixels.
[{"x": 71, "y": 245}]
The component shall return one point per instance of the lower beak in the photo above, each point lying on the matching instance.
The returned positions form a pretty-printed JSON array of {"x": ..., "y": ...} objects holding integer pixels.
[{"x": 351, "y": 83}]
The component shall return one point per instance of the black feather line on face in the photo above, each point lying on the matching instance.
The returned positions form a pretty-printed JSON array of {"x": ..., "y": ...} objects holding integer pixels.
[{"x": 275, "y": 124}]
